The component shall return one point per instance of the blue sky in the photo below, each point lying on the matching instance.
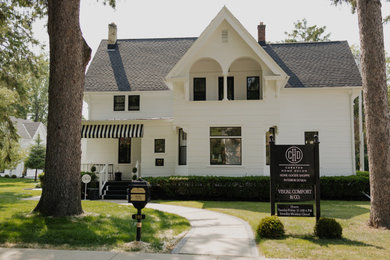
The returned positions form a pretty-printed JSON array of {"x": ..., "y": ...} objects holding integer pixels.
[{"x": 188, "y": 18}]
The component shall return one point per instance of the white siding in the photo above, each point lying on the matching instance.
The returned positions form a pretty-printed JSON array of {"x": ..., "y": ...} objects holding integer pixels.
[{"x": 153, "y": 104}]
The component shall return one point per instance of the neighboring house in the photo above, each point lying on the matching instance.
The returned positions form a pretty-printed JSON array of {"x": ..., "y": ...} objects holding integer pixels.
[
  {"x": 207, "y": 105},
  {"x": 28, "y": 132}
]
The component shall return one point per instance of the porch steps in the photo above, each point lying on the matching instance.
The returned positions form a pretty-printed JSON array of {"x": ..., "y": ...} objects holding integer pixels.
[{"x": 115, "y": 190}]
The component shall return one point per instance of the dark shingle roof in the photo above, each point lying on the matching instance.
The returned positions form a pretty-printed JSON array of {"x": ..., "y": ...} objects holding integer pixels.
[
  {"x": 142, "y": 64},
  {"x": 316, "y": 64},
  {"x": 136, "y": 65}
]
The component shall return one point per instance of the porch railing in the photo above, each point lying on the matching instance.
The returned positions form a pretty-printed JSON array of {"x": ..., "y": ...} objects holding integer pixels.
[{"x": 103, "y": 178}]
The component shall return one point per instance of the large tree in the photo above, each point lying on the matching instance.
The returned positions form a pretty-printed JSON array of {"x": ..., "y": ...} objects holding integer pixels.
[
  {"x": 305, "y": 33},
  {"x": 69, "y": 56},
  {"x": 375, "y": 93}
]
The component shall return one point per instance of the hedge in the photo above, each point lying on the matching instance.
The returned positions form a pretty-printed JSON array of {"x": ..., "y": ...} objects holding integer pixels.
[{"x": 254, "y": 188}]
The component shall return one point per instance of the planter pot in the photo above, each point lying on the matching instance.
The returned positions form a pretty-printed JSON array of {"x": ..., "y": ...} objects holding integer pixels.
[
  {"x": 118, "y": 176},
  {"x": 93, "y": 194}
]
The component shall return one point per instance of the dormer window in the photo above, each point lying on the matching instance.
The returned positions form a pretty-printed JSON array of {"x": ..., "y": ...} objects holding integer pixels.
[{"x": 119, "y": 103}]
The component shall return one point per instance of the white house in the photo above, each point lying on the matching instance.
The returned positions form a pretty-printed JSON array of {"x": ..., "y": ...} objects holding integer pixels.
[
  {"x": 206, "y": 105},
  {"x": 28, "y": 132}
]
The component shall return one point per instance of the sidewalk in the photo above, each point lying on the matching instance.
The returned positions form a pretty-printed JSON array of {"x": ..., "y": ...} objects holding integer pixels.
[{"x": 45, "y": 254}]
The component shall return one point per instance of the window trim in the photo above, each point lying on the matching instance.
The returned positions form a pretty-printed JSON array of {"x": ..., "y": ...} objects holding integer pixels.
[
  {"x": 119, "y": 150},
  {"x": 124, "y": 102},
  {"x": 205, "y": 88},
  {"x": 128, "y": 102}
]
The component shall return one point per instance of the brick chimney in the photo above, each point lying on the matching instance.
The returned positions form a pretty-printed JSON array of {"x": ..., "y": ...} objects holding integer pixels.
[
  {"x": 111, "y": 36},
  {"x": 261, "y": 33}
]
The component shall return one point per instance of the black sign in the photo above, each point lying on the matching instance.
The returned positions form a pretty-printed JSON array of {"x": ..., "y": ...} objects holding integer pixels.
[
  {"x": 295, "y": 176},
  {"x": 284, "y": 194},
  {"x": 295, "y": 210},
  {"x": 295, "y": 164}
]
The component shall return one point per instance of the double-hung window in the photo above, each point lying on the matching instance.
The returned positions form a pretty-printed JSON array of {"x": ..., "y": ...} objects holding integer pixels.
[
  {"x": 199, "y": 89},
  {"x": 225, "y": 145},
  {"x": 230, "y": 88},
  {"x": 253, "y": 88},
  {"x": 119, "y": 103}
]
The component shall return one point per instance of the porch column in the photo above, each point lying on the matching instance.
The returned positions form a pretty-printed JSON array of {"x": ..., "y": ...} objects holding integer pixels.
[{"x": 225, "y": 83}]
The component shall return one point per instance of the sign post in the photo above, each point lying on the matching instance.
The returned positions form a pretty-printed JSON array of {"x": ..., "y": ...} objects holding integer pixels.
[
  {"x": 139, "y": 195},
  {"x": 86, "y": 179},
  {"x": 295, "y": 177}
]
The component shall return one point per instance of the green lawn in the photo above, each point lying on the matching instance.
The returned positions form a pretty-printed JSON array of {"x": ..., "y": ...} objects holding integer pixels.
[
  {"x": 104, "y": 225},
  {"x": 358, "y": 242}
]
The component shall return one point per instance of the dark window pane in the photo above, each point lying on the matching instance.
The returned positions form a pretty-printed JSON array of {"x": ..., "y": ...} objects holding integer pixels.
[
  {"x": 225, "y": 131},
  {"x": 124, "y": 150},
  {"x": 199, "y": 88},
  {"x": 220, "y": 88},
  {"x": 159, "y": 145},
  {"x": 267, "y": 149},
  {"x": 230, "y": 88},
  {"x": 253, "y": 88},
  {"x": 182, "y": 147},
  {"x": 183, "y": 155},
  {"x": 134, "y": 103},
  {"x": 225, "y": 151},
  {"x": 309, "y": 137},
  {"x": 119, "y": 103}
]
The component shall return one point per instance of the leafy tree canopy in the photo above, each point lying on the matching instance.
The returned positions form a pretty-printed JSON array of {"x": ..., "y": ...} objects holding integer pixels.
[
  {"x": 17, "y": 64},
  {"x": 36, "y": 158},
  {"x": 305, "y": 33}
]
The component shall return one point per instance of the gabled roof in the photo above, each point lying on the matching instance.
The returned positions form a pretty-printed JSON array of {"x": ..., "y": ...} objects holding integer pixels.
[
  {"x": 226, "y": 16},
  {"x": 141, "y": 65},
  {"x": 135, "y": 64},
  {"x": 26, "y": 129},
  {"x": 316, "y": 64}
]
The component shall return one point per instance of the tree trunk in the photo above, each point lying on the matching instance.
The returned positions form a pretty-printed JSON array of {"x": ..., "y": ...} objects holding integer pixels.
[
  {"x": 69, "y": 55},
  {"x": 36, "y": 173},
  {"x": 376, "y": 109}
]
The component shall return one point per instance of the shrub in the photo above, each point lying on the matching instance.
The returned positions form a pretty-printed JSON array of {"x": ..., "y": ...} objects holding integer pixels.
[
  {"x": 328, "y": 228},
  {"x": 253, "y": 188},
  {"x": 13, "y": 176},
  {"x": 270, "y": 227},
  {"x": 6, "y": 176},
  {"x": 41, "y": 178}
]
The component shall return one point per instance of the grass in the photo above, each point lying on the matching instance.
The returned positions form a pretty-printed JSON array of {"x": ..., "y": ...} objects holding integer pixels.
[
  {"x": 359, "y": 241},
  {"x": 104, "y": 226}
]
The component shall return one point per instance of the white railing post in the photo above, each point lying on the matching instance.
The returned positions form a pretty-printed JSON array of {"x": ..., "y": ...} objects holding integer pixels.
[{"x": 103, "y": 178}]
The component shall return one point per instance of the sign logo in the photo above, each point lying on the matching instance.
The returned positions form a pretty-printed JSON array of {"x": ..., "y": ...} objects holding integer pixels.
[{"x": 294, "y": 155}]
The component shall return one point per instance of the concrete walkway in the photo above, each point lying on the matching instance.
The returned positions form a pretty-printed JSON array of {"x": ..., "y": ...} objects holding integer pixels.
[{"x": 212, "y": 233}]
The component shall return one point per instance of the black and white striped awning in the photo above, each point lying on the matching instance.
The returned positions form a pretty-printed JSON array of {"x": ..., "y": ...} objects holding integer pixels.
[{"x": 112, "y": 131}]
